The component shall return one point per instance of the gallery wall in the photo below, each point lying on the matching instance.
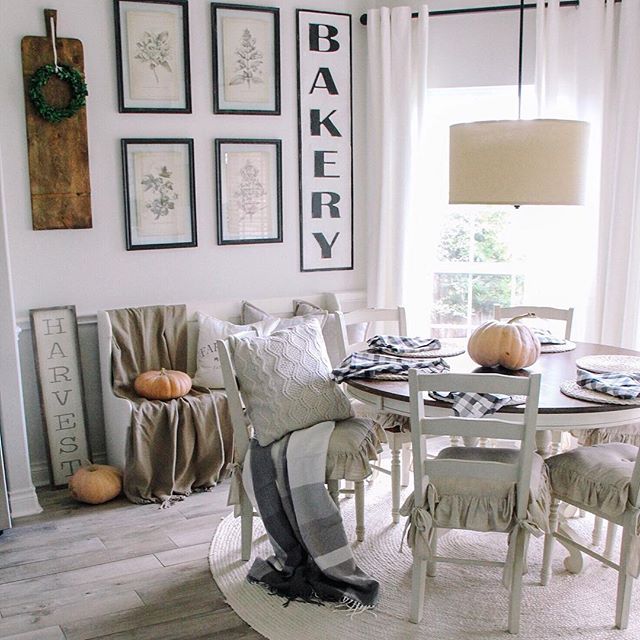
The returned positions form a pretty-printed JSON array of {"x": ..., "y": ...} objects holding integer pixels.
[{"x": 91, "y": 268}]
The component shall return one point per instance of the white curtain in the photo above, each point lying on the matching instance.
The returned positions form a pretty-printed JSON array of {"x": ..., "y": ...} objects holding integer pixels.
[
  {"x": 586, "y": 67},
  {"x": 396, "y": 92}
]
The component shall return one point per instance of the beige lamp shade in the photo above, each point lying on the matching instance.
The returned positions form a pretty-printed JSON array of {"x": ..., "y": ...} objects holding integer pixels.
[{"x": 518, "y": 162}]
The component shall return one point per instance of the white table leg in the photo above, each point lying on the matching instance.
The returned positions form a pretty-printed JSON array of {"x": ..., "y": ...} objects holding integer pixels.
[{"x": 574, "y": 562}]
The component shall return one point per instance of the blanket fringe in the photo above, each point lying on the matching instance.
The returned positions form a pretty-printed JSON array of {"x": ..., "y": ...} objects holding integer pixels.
[{"x": 354, "y": 608}]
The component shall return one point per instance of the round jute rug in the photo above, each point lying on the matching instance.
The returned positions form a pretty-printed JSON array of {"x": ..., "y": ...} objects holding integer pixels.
[{"x": 462, "y": 602}]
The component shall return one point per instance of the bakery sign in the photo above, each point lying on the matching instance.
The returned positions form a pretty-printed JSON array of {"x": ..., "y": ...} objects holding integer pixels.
[{"x": 325, "y": 140}]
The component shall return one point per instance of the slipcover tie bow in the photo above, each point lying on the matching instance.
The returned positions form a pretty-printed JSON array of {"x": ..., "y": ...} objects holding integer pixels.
[
  {"x": 234, "y": 471},
  {"x": 530, "y": 527},
  {"x": 419, "y": 527}
]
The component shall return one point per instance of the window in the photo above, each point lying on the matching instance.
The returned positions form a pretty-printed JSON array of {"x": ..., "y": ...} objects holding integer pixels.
[{"x": 463, "y": 259}]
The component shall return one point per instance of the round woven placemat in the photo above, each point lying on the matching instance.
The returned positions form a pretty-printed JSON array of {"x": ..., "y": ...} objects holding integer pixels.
[
  {"x": 574, "y": 390},
  {"x": 558, "y": 348},
  {"x": 446, "y": 350},
  {"x": 609, "y": 364}
]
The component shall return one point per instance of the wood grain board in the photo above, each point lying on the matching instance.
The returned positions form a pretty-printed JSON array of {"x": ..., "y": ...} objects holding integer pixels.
[{"x": 58, "y": 152}]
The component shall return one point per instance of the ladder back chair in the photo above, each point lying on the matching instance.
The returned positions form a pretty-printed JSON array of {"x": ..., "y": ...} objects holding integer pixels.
[
  {"x": 396, "y": 427},
  {"x": 456, "y": 475},
  {"x": 347, "y": 439},
  {"x": 603, "y": 479},
  {"x": 545, "y": 313}
]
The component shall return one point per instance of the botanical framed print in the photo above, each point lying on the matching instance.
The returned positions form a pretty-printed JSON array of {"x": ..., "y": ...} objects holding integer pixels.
[
  {"x": 159, "y": 193},
  {"x": 249, "y": 191},
  {"x": 152, "y": 47},
  {"x": 246, "y": 59}
]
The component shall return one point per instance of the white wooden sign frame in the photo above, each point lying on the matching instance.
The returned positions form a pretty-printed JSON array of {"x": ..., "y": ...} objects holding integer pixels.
[
  {"x": 54, "y": 332},
  {"x": 325, "y": 140}
]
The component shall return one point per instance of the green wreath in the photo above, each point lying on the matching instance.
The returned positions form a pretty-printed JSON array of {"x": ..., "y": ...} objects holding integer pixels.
[{"x": 75, "y": 81}]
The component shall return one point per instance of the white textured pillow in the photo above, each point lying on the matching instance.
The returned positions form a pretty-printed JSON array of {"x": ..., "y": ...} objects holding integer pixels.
[
  {"x": 304, "y": 309},
  {"x": 210, "y": 329},
  {"x": 250, "y": 313},
  {"x": 285, "y": 383}
]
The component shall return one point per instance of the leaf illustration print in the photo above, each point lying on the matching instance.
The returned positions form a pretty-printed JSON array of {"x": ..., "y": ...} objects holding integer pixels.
[
  {"x": 249, "y": 61},
  {"x": 164, "y": 196},
  {"x": 154, "y": 50}
]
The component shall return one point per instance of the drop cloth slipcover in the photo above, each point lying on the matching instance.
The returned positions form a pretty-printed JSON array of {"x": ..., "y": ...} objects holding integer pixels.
[{"x": 175, "y": 446}]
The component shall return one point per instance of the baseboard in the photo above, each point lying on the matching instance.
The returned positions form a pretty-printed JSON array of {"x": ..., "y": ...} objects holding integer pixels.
[
  {"x": 24, "y": 502},
  {"x": 40, "y": 469}
]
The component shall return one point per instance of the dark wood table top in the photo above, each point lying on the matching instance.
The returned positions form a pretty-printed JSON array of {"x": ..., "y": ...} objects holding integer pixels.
[{"x": 554, "y": 367}]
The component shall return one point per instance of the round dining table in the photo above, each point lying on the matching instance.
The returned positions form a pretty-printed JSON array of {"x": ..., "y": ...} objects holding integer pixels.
[{"x": 557, "y": 412}]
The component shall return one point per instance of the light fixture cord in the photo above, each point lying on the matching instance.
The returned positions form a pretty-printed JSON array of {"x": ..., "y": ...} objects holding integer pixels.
[{"x": 520, "y": 42}]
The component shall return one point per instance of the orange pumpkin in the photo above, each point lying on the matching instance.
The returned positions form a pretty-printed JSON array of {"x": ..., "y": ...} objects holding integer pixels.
[
  {"x": 96, "y": 483},
  {"x": 162, "y": 385},
  {"x": 511, "y": 344}
]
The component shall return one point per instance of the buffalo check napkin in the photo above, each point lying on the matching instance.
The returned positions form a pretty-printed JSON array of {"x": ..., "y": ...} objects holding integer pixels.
[
  {"x": 621, "y": 385},
  {"x": 363, "y": 364},
  {"x": 472, "y": 405},
  {"x": 545, "y": 337},
  {"x": 398, "y": 345}
]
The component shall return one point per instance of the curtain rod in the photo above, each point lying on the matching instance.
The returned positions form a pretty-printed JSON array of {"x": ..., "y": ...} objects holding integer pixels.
[{"x": 504, "y": 7}]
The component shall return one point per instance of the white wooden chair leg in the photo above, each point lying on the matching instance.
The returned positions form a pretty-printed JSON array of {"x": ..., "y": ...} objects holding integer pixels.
[
  {"x": 246, "y": 527},
  {"x": 612, "y": 531},
  {"x": 359, "y": 493},
  {"x": 432, "y": 566},
  {"x": 596, "y": 537},
  {"x": 556, "y": 442},
  {"x": 418, "y": 577},
  {"x": 545, "y": 574},
  {"x": 334, "y": 491},
  {"x": 406, "y": 465},
  {"x": 395, "y": 479},
  {"x": 516, "y": 582},
  {"x": 625, "y": 583}
]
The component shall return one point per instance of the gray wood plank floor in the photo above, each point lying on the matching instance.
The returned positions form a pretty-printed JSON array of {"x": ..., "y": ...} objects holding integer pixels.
[{"x": 117, "y": 570}]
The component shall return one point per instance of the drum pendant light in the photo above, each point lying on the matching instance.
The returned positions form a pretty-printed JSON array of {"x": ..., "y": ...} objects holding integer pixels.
[{"x": 518, "y": 161}]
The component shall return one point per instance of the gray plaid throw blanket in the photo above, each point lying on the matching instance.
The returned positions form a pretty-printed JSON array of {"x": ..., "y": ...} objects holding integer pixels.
[
  {"x": 364, "y": 364},
  {"x": 397, "y": 345},
  {"x": 621, "y": 385},
  {"x": 312, "y": 559}
]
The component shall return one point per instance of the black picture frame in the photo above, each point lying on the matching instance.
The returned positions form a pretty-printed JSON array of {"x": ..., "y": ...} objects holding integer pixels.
[
  {"x": 159, "y": 193},
  {"x": 233, "y": 97},
  {"x": 148, "y": 86},
  {"x": 248, "y": 202}
]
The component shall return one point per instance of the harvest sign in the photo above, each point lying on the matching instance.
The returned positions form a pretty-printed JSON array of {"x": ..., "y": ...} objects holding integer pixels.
[
  {"x": 325, "y": 140},
  {"x": 55, "y": 338}
]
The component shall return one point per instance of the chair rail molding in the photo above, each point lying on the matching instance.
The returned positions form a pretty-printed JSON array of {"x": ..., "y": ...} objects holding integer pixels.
[{"x": 23, "y": 500}]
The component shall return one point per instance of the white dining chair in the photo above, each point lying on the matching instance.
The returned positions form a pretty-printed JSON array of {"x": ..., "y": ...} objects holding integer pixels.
[
  {"x": 446, "y": 486},
  {"x": 354, "y": 329},
  {"x": 545, "y": 313},
  {"x": 350, "y": 440},
  {"x": 603, "y": 479}
]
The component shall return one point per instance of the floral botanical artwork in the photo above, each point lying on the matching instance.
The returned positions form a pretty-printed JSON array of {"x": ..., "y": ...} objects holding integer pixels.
[
  {"x": 154, "y": 50},
  {"x": 160, "y": 181},
  {"x": 246, "y": 60},
  {"x": 249, "y": 205},
  {"x": 249, "y": 62},
  {"x": 161, "y": 187},
  {"x": 152, "y": 39}
]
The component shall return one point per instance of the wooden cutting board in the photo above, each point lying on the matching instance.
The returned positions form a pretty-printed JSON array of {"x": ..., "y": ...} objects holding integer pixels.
[{"x": 58, "y": 152}]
